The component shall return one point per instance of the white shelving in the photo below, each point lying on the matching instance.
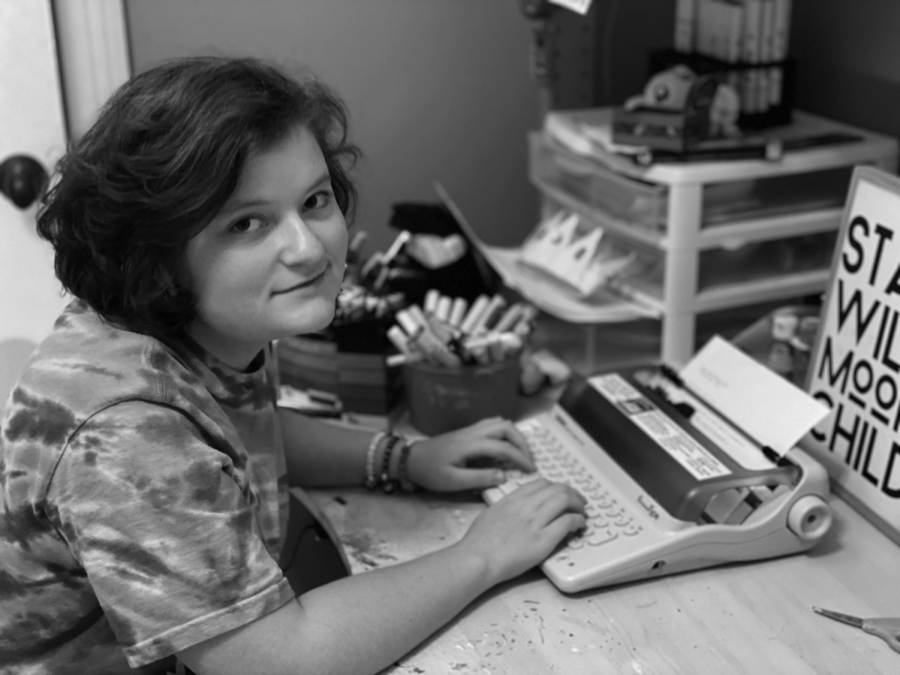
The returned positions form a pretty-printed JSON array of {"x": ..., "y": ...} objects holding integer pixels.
[{"x": 712, "y": 235}]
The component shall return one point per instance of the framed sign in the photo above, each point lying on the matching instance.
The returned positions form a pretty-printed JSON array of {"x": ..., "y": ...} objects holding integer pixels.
[{"x": 855, "y": 363}]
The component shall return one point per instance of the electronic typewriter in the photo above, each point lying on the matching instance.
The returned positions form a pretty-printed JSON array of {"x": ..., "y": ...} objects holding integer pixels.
[{"x": 672, "y": 482}]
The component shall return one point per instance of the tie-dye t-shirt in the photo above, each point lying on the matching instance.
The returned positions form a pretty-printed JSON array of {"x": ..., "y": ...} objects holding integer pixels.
[{"x": 144, "y": 501}]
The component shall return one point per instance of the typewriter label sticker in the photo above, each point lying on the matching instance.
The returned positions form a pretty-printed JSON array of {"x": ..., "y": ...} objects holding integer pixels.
[{"x": 683, "y": 448}]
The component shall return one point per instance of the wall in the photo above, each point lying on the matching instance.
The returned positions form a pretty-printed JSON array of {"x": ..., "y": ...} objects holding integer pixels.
[
  {"x": 437, "y": 90},
  {"x": 848, "y": 61}
]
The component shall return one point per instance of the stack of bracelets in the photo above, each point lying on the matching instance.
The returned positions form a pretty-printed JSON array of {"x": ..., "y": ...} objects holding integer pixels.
[{"x": 386, "y": 473}]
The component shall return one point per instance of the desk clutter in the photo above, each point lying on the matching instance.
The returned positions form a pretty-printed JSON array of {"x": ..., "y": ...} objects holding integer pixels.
[
  {"x": 342, "y": 369},
  {"x": 461, "y": 362},
  {"x": 464, "y": 357}
]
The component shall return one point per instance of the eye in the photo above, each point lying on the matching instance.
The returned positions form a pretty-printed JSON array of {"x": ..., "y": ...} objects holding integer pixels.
[
  {"x": 247, "y": 224},
  {"x": 319, "y": 200}
]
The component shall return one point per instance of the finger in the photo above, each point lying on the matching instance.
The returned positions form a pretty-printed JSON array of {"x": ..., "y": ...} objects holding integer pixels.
[
  {"x": 477, "y": 479},
  {"x": 507, "y": 430},
  {"x": 547, "y": 501},
  {"x": 558, "y": 499},
  {"x": 498, "y": 453},
  {"x": 565, "y": 525}
]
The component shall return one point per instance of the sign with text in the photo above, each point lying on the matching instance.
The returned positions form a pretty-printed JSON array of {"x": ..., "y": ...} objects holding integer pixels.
[{"x": 855, "y": 364}]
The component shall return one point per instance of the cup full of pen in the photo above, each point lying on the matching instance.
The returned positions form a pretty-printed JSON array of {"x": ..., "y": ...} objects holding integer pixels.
[{"x": 461, "y": 360}]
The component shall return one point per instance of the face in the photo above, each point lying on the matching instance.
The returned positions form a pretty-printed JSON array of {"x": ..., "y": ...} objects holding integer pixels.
[{"x": 270, "y": 263}]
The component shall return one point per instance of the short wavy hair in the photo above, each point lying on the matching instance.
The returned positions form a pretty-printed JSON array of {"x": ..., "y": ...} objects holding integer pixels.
[{"x": 161, "y": 161}]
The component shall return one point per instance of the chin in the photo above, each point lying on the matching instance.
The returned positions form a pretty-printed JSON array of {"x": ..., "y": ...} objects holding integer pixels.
[{"x": 310, "y": 320}]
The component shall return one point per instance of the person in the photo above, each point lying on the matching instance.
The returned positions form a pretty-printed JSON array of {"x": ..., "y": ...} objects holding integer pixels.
[{"x": 144, "y": 465}]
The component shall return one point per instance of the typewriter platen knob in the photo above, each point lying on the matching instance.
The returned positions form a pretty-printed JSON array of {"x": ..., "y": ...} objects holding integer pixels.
[{"x": 809, "y": 518}]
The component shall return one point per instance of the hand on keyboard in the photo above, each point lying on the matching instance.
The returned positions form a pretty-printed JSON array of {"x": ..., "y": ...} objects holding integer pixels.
[
  {"x": 520, "y": 531},
  {"x": 470, "y": 458},
  {"x": 607, "y": 518}
]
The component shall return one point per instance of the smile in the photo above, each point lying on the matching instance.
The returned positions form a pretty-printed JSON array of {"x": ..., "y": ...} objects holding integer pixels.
[{"x": 303, "y": 284}]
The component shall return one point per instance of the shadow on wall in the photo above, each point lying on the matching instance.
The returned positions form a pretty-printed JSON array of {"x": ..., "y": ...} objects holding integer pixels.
[{"x": 14, "y": 355}]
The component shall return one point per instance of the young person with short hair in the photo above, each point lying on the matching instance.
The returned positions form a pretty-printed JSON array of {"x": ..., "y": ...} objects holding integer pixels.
[{"x": 144, "y": 466}]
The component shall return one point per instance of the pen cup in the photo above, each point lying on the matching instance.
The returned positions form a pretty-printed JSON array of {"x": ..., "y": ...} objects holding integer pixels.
[{"x": 443, "y": 399}]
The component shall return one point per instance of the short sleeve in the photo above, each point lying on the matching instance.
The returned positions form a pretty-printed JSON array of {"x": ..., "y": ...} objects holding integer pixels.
[{"x": 165, "y": 527}]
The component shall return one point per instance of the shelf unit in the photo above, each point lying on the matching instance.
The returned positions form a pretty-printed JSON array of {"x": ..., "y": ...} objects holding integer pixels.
[{"x": 711, "y": 235}]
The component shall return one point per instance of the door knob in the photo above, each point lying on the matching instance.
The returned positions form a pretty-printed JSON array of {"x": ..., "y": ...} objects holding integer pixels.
[{"x": 23, "y": 180}]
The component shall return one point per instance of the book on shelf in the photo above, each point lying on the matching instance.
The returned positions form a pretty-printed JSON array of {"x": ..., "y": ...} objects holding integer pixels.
[
  {"x": 742, "y": 32},
  {"x": 685, "y": 11},
  {"x": 781, "y": 27},
  {"x": 750, "y": 54}
]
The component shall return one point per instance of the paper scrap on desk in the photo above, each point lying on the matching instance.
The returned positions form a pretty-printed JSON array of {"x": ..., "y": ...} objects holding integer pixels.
[
  {"x": 580, "y": 6},
  {"x": 770, "y": 409}
]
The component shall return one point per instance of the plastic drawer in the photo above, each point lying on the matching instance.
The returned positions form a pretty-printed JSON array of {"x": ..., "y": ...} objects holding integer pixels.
[
  {"x": 720, "y": 267},
  {"x": 725, "y": 203},
  {"x": 645, "y": 204},
  {"x": 595, "y": 185}
]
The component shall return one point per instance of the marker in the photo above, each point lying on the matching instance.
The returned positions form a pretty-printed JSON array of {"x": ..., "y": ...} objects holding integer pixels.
[
  {"x": 442, "y": 310},
  {"x": 394, "y": 249},
  {"x": 480, "y": 304},
  {"x": 370, "y": 264},
  {"x": 434, "y": 350},
  {"x": 399, "y": 339},
  {"x": 493, "y": 306},
  {"x": 431, "y": 300},
  {"x": 509, "y": 318},
  {"x": 402, "y": 359},
  {"x": 408, "y": 323},
  {"x": 457, "y": 311},
  {"x": 356, "y": 242}
]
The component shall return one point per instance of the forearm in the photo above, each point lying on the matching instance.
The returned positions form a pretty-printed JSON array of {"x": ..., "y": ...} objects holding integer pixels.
[
  {"x": 358, "y": 625},
  {"x": 322, "y": 454},
  {"x": 394, "y": 608}
]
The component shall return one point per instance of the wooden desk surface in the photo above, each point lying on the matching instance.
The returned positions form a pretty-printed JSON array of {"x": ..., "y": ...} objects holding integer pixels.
[{"x": 753, "y": 618}]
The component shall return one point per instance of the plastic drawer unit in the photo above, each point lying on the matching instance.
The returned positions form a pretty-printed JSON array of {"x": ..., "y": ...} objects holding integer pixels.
[{"x": 710, "y": 236}]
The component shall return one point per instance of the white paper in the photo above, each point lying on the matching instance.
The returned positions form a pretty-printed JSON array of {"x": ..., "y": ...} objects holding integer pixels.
[
  {"x": 769, "y": 408},
  {"x": 580, "y": 6}
]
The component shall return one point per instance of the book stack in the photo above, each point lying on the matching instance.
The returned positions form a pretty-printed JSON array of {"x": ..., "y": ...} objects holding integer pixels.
[{"x": 746, "y": 40}]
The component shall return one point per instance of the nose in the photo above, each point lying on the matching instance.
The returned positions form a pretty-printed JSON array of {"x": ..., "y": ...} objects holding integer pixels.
[{"x": 298, "y": 241}]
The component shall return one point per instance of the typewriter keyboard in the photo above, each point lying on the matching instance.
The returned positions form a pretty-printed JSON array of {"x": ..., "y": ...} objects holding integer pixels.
[{"x": 608, "y": 518}]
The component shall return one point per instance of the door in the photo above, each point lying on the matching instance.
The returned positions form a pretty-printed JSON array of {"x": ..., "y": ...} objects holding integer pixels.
[
  {"x": 31, "y": 124},
  {"x": 93, "y": 45}
]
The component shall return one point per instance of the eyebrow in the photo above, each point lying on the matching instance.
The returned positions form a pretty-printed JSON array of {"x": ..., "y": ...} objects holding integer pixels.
[{"x": 232, "y": 206}]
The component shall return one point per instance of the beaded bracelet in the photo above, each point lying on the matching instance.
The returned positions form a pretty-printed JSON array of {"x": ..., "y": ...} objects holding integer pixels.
[
  {"x": 371, "y": 480},
  {"x": 403, "y": 469},
  {"x": 386, "y": 481}
]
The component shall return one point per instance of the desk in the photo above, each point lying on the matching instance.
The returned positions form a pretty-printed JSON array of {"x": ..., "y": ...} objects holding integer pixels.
[{"x": 753, "y": 618}]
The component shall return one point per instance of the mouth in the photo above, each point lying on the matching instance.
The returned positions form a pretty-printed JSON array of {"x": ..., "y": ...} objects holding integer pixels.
[{"x": 312, "y": 281}]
